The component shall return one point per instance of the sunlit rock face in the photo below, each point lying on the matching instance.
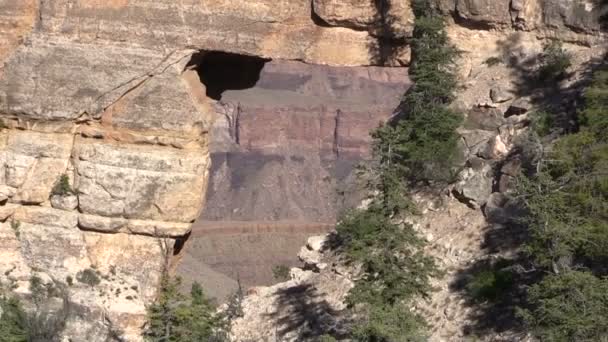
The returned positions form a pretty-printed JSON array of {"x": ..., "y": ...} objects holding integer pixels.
[
  {"x": 107, "y": 112},
  {"x": 104, "y": 145}
]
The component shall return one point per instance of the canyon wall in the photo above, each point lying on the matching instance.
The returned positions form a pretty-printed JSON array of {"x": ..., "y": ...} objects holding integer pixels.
[
  {"x": 106, "y": 109},
  {"x": 466, "y": 223},
  {"x": 105, "y": 135}
]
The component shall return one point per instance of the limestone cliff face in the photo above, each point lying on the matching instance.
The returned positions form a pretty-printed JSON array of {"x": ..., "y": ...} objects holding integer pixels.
[
  {"x": 112, "y": 95},
  {"x": 109, "y": 94}
]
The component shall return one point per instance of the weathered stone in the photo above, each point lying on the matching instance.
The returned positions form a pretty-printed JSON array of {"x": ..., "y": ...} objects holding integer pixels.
[
  {"x": 475, "y": 140},
  {"x": 158, "y": 228},
  {"x": 359, "y": 14},
  {"x": 59, "y": 251},
  {"x": 584, "y": 15},
  {"x": 267, "y": 28},
  {"x": 499, "y": 95},
  {"x": 475, "y": 184},
  {"x": 69, "y": 202},
  {"x": 518, "y": 107},
  {"x": 139, "y": 182},
  {"x": 316, "y": 243},
  {"x": 309, "y": 257},
  {"x": 494, "y": 149},
  {"x": 100, "y": 223},
  {"x": 130, "y": 256},
  {"x": 16, "y": 20},
  {"x": 484, "y": 118},
  {"x": 6, "y": 192},
  {"x": 46, "y": 216},
  {"x": 7, "y": 210},
  {"x": 33, "y": 162},
  {"x": 487, "y": 12}
]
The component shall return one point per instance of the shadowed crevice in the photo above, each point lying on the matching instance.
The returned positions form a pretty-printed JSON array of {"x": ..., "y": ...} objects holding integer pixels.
[{"x": 220, "y": 71}]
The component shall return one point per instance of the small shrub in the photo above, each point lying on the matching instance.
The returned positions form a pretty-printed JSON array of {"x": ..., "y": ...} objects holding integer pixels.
[
  {"x": 327, "y": 338},
  {"x": 555, "y": 61},
  {"x": 89, "y": 277},
  {"x": 568, "y": 307},
  {"x": 492, "y": 61},
  {"x": 235, "y": 303},
  {"x": 15, "y": 225},
  {"x": 69, "y": 280},
  {"x": 280, "y": 272},
  {"x": 542, "y": 122},
  {"x": 38, "y": 289},
  {"x": 489, "y": 285},
  {"x": 13, "y": 325},
  {"x": 62, "y": 186}
]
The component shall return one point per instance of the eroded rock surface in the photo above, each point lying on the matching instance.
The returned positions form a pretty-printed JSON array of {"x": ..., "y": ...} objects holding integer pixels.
[
  {"x": 108, "y": 96},
  {"x": 108, "y": 93}
]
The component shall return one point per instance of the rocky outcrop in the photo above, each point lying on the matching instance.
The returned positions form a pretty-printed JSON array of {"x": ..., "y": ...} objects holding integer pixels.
[
  {"x": 579, "y": 21},
  {"x": 303, "y": 308}
]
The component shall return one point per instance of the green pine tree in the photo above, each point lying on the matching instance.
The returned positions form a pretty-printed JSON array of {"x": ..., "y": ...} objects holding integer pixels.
[
  {"x": 175, "y": 317},
  {"x": 13, "y": 321}
]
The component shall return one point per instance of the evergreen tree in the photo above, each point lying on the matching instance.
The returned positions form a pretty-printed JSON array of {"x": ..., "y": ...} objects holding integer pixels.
[
  {"x": 420, "y": 145},
  {"x": 567, "y": 202},
  {"x": 175, "y": 317}
]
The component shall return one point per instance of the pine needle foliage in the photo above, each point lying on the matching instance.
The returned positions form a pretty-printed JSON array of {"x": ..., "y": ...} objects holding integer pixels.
[
  {"x": 423, "y": 142},
  {"x": 13, "y": 320},
  {"x": 568, "y": 197},
  {"x": 418, "y": 147},
  {"x": 569, "y": 307},
  {"x": 175, "y": 317},
  {"x": 567, "y": 202}
]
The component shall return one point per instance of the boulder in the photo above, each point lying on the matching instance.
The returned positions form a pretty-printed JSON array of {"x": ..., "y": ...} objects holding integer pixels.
[
  {"x": 475, "y": 184},
  {"x": 518, "y": 107},
  {"x": 69, "y": 202},
  {"x": 501, "y": 209},
  {"x": 499, "y": 95},
  {"x": 494, "y": 149},
  {"x": 316, "y": 243},
  {"x": 485, "y": 12},
  {"x": 367, "y": 14},
  {"x": 484, "y": 118}
]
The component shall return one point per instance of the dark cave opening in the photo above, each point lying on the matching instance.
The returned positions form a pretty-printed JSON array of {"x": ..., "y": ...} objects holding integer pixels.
[{"x": 220, "y": 71}]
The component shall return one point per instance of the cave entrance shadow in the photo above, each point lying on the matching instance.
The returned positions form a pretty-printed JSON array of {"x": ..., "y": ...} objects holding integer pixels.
[{"x": 220, "y": 71}]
